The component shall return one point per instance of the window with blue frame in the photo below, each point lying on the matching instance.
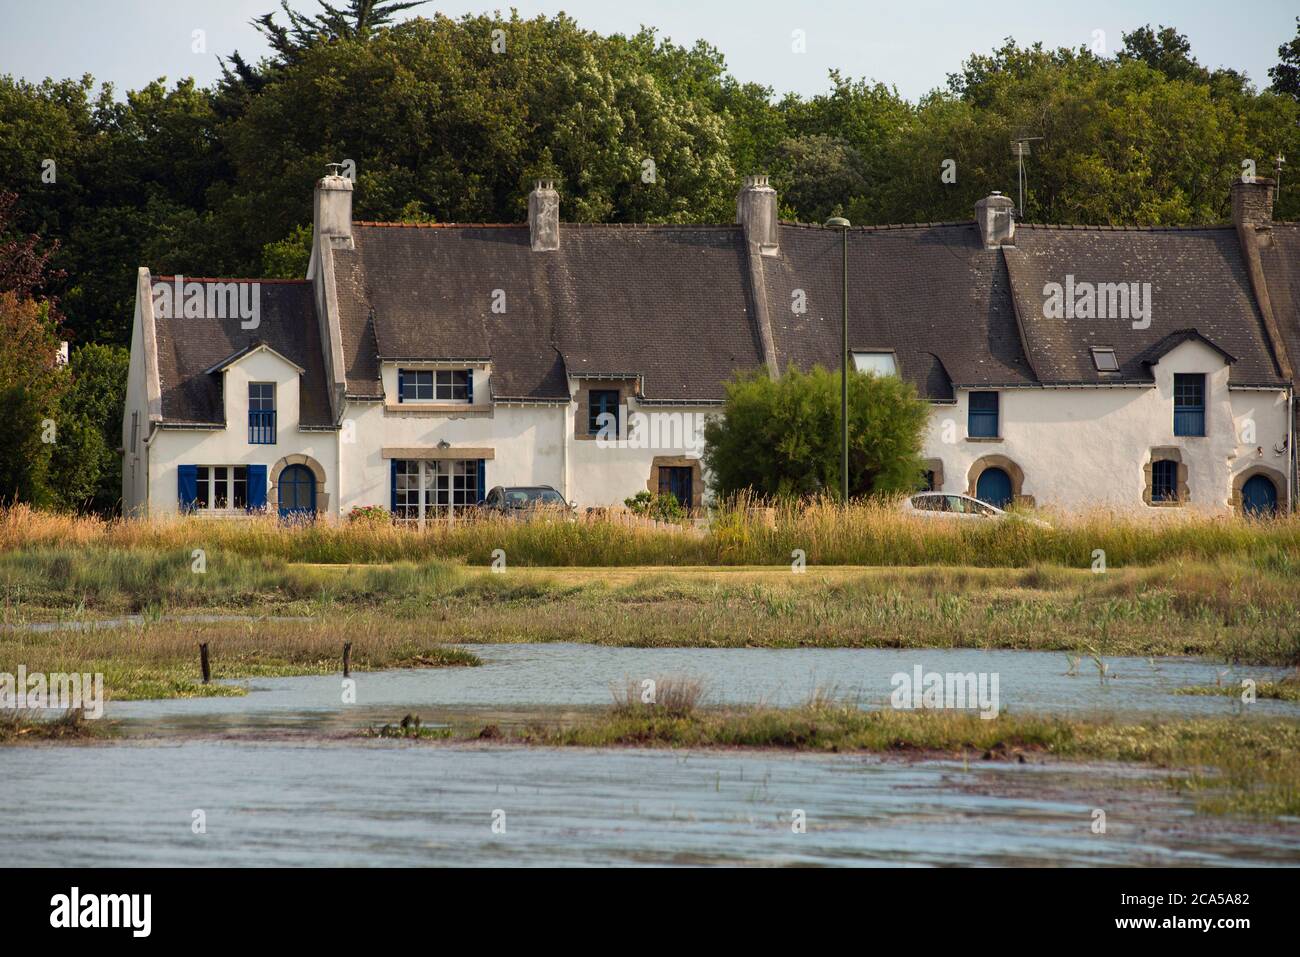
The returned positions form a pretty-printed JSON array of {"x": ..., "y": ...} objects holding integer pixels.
[
  {"x": 1189, "y": 403},
  {"x": 221, "y": 488},
  {"x": 261, "y": 413},
  {"x": 603, "y": 402},
  {"x": 435, "y": 385},
  {"x": 1164, "y": 480},
  {"x": 982, "y": 419}
]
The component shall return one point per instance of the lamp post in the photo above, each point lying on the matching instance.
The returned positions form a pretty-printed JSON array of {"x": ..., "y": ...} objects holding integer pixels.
[{"x": 842, "y": 224}]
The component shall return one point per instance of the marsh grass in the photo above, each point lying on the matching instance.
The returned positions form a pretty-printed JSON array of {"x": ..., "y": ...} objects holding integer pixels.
[
  {"x": 1285, "y": 689},
  {"x": 673, "y": 696},
  {"x": 162, "y": 660},
  {"x": 32, "y": 726},
  {"x": 1229, "y": 766},
  {"x": 868, "y": 533}
]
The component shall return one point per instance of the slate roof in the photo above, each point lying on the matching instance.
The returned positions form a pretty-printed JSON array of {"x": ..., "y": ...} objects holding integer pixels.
[
  {"x": 1281, "y": 263},
  {"x": 1198, "y": 281},
  {"x": 670, "y": 303},
  {"x": 188, "y": 348},
  {"x": 931, "y": 293},
  {"x": 676, "y": 306}
]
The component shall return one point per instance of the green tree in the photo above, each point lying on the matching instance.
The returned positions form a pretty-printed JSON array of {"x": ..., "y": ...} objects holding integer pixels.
[
  {"x": 1286, "y": 75},
  {"x": 86, "y": 466},
  {"x": 30, "y": 389},
  {"x": 781, "y": 437}
]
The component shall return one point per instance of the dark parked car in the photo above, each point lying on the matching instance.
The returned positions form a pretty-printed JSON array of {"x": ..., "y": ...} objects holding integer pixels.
[{"x": 516, "y": 501}]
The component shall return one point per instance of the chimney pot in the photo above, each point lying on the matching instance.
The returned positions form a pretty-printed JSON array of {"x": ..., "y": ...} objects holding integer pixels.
[
  {"x": 332, "y": 218},
  {"x": 756, "y": 213},
  {"x": 1252, "y": 202},
  {"x": 544, "y": 217},
  {"x": 995, "y": 217}
]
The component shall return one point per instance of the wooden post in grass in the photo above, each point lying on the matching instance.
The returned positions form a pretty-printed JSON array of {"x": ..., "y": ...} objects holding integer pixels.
[
  {"x": 203, "y": 662},
  {"x": 347, "y": 658}
]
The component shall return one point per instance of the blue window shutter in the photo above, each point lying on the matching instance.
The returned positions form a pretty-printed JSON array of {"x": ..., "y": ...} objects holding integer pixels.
[
  {"x": 187, "y": 482},
  {"x": 392, "y": 485},
  {"x": 401, "y": 378},
  {"x": 256, "y": 486},
  {"x": 469, "y": 391},
  {"x": 482, "y": 480}
]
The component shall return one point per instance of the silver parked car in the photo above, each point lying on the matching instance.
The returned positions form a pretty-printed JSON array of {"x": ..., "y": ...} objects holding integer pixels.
[{"x": 946, "y": 505}]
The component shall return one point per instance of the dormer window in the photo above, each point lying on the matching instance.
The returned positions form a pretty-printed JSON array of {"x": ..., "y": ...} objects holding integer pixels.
[
  {"x": 876, "y": 363},
  {"x": 1104, "y": 360},
  {"x": 435, "y": 385}
]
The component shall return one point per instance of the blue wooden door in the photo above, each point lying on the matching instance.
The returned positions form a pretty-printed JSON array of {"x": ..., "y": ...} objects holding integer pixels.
[
  {"x": 677, "y": 481},
  {"x": 1259, "y": 496},
  {"x": 994, "y": 487},
  {"x": 297, "y": 492}
]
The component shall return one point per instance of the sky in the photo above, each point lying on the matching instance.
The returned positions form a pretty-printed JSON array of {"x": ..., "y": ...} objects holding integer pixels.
[{"x": 912, "y": 45}]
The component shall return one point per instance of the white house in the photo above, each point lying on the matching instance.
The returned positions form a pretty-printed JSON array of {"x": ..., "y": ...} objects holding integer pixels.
[{"x": 417, "y": 366}]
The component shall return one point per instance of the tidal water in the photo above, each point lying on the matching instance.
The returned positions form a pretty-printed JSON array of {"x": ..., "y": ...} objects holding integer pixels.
[{"x": 398, "y": 803}]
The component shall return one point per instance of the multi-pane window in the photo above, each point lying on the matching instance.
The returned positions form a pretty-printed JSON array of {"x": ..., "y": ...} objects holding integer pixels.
[
  {"x": 982, "y": 420},
  {"x": 431, "y": 489},
  {"x": 261, "y": 413},
  {"x": 221, "y": 487},
  {"x": 440, "y": 385},
  {"x": 1164, "y": 480},
  {"x": 1189, "y": 403},
  {"x": 603, "y": 402}
]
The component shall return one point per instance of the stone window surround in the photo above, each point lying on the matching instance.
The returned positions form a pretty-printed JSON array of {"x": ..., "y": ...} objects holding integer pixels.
[
  {"x": 1014, "y": 472},
  {"x": 273, "y": 493},
  {"x": 679, "y": 461},
  {"x": 935, "y": 466},
  {"x": 1273, "y": 475},
  {"x": 627, "y": 388},
  {"x": 1173, "y": 454}
]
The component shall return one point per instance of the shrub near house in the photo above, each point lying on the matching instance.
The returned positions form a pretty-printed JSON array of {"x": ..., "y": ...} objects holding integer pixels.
[{"x": 782, "y": 437}]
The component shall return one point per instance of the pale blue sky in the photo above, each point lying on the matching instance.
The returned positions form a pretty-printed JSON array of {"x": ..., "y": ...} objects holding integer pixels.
[{"x": 912, "y": 44}]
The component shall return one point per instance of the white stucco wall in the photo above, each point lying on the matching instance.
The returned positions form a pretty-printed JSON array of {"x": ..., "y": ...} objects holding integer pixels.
[
  {"x": 135, "y": 411},
  {"x": 532, "y": 445},
  {"x": 1083, "y": 448},
  {"x": 171, "y": 448}
]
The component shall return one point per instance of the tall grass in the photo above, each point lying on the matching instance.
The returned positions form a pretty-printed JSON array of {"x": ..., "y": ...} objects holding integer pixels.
[{"x": 826, "y": 532}]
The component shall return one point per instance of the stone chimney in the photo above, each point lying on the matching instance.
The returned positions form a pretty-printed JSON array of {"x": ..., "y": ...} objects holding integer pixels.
[
  {"x": 332, "y": 215},
  {"x": 1252, "y": 202},
  {"x": 756, "y": 213},
  {"x": 995, "y": 217},
  {"x": 544, "y": 217}
]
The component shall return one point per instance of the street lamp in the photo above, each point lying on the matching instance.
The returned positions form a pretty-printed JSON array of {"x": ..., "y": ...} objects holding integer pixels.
[{"x": 842, "y": 224}]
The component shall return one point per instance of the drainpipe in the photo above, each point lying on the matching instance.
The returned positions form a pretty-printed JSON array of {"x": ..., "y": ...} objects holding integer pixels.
[
  {"x": 564, "y": 450},
  {"x": 1290, "y": 444},
  {"x": 338, "y": 467}
]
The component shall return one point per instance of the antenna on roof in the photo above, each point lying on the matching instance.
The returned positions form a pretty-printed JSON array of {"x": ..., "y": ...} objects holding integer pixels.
[
  {"x": 1277, "y": 169},
  {"x": 1020, "y": 149}
]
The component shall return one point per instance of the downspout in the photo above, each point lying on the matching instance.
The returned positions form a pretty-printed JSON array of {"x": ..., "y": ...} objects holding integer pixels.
[{"x": 1290, "y": 442}]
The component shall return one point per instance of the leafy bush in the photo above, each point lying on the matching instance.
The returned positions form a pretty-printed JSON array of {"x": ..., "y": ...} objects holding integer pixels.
[
  {"x": 781, "y": 438},
  {"x": 664, "y": 508},
  {"x": 369, "y": 515}
]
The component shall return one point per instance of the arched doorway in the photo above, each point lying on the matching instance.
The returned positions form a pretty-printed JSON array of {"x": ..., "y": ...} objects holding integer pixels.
[
  {"x": 297, "y": 488},
  {"x": 994, "y": 486},
  {"x": 1259, "y": 496}
]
